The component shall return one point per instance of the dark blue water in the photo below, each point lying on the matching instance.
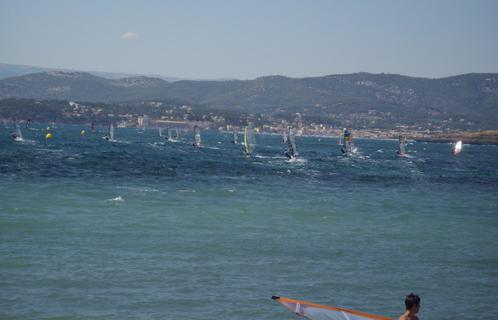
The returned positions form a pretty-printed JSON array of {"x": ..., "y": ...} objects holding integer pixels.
[{"x": 145, "y": 229}]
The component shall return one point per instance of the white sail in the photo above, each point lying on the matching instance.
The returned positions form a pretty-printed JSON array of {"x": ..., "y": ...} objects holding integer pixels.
[
  {"x": 457, "y": 148},
  {"x": 197, "y": 137},
  {"x": 341, "y": 137},
  {"x": 111, "y": 132},
  {"x": 17, "y": 134},
  {"x": 175, "y": 133},
  {"x": 315, "y": 311}
]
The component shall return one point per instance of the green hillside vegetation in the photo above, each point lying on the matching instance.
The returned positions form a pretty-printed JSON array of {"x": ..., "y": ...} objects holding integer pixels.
[{"x": 465, "y": 102}]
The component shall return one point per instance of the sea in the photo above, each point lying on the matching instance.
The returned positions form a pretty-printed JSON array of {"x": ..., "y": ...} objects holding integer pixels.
[{"x": 142, "y": 228}]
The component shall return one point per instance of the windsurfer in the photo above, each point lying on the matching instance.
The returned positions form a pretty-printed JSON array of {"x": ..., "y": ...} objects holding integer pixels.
[{"x": 412, "y": 304}]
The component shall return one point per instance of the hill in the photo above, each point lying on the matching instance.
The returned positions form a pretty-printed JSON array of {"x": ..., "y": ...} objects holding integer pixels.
[
  {"x": 467, "y": 101},
  {"x": 15, "y": 70}
]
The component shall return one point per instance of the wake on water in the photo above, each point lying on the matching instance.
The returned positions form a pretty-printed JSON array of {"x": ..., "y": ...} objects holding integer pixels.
[{"x": 117, "y": 199}]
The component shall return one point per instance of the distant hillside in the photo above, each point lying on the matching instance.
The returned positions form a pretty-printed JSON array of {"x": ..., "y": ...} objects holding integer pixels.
[
  {"x": 464, "y": 101},
  {"x": 16, "y": 70}
]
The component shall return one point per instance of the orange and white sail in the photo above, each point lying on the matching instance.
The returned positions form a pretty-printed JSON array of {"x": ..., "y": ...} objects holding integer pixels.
[{"x": 315, "y": 311}]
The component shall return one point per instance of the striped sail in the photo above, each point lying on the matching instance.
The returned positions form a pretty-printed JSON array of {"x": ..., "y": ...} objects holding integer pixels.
[
  {"x": 197, "y": 136},
  {"x": 249, "y": 140},
  {"x": 315, "y": 311},
  {"x": 291, "y": 144}
]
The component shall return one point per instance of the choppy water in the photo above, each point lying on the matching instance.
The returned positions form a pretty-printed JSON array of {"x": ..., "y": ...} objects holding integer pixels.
[{"x": 142, "y": 229}]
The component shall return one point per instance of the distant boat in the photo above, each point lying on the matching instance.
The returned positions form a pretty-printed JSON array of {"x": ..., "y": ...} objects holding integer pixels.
[
  {"x": 402, "y": 143},
  {"x": 347, "y": 143},
  {"x": 249, "y": 141},
  {"x": 197, "y": 137},
  {"x": 235, "y": 136},
  {"x": 315, "y": 311},
  {"x": 291, "y": 152},
  {"x": 457, "y": 148},
  {"x": 17, "y": 134},
  {"x": 110, "y": 133}
]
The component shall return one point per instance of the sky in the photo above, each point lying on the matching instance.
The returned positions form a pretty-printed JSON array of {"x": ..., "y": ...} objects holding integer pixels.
[{"x": 225, "y": 39}]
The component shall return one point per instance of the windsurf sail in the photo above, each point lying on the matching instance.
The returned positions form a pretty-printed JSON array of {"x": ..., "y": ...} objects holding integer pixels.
[
  {"x": 17, "y": 134},
  {"x": 315, "y": 311},
  {"x": 234, "y": 136},
  {"x": 143, "y": 121},
  {"x": 347, "y": 145},
  {"x": 197, "y": 137},
  {"x": 402, "y": 143},
  {"x": 284, "y": 137},
  {"x": 93, "y": 126},
  {"x": 110, "y": 132},
  {"x": 175, "y": 133},
  {"x": 170, "y": 134},
  {"x": 160, "y": 131},
  {"x": 249, "y": 140},
  {"x": 457, "y": 148},
  {"x": 291, "y": 145}
]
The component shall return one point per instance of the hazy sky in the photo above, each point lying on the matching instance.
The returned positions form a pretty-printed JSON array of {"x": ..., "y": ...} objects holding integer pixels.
[{"x": 248, "y": 39}]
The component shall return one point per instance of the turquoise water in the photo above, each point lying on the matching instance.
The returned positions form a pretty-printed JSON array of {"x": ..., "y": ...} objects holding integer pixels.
[{"x": 142, "y": 229}]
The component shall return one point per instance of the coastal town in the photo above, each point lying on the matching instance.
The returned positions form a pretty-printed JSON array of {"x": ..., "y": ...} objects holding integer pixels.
[
  {"x": 372, "y": 124},
  {"x": 185, "y": 117}
]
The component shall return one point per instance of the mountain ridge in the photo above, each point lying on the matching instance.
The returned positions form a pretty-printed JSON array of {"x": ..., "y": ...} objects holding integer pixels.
[{"x": 469, "y": 97}]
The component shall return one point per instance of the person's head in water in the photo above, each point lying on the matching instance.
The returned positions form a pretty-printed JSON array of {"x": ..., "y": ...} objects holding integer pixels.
[{"x": 412, "y": 302}]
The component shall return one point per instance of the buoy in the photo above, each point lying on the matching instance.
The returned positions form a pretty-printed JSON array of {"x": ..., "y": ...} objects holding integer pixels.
[
  {"x": 82, "y": 132},
  {"x": 48, "y": 136}
]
